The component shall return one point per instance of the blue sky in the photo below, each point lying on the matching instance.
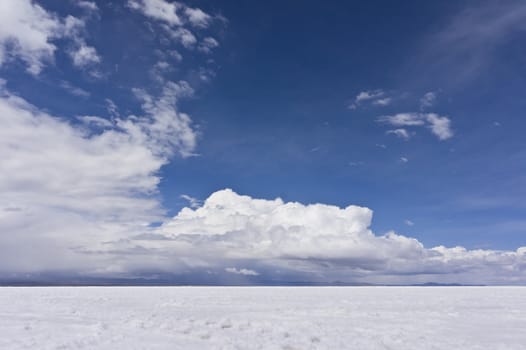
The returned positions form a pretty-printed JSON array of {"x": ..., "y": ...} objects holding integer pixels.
[{"x": 413, "y": 110}]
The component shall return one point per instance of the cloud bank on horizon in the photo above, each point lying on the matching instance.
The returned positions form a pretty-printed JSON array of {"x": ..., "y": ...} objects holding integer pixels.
[
  {"x": 81, "y": 194},
  {"x": 236, "y": 234}
]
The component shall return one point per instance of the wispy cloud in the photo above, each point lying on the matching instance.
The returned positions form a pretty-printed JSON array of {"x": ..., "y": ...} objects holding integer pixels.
[
  {"x": 369, "y": 95},
  {"x": 403, "y": 119},
  {"x": 180, "y": 21},
  {"x": 192, "y": 201},
  {"x": 356, "y": 163},
  {"x": 208, "y": 44},
  {"x": 375, "y": 97},
  {"x": 198, "y": 17},
  {"x": 182, "y": 35},
  {"x": 168, "y": 129},
  {"x": 470, "y": 41},
  {"x": 95, "y": 121},
  {"x": 428, "y": 100},
  {"x": 88, "y": 5},
  {"x": 246, "y": 272},
  {"x": 383, "y": 101},
  {"x": 401, "y": 133},
  {"x": 112, "y": 108},
  {"x": 74, "y": 90},
  {"x": 440, "y": 126}
]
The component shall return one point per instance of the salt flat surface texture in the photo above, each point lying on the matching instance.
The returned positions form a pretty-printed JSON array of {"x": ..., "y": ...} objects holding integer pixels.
[{"x": 263, "y": 318}]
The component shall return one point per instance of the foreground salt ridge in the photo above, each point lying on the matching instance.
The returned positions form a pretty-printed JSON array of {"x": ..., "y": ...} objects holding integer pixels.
[{"x": 263, "y": 318}]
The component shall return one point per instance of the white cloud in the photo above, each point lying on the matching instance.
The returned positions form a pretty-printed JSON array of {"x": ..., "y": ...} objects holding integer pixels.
[
  {"x": 112, "y": 108},
  {"x": 246, "y": 272},
  {"x": 183, "y": 36},
  {"x": 409, "y": 222},
  {"x": 404, "y": 159},
  {"x": 84, "y": 55},
  {"x": 205, "y": 74},
  {"x": 81, "y": 200},
  {"x": 175, "y": 18},
  {"x": 175, "y": 55},
  {"x": 159, "y": 70},
  {"x": 402, "y": 133},
  {"x": 163, "y": 66},
  {"x": 193, "y": 202},
  {"x": 158, "y": 9},
  {"x": 77, "y": 187},
  {"x": 320, "y": 240},
  {"x": 208, "y": 44},
  {"x": 374, "y": 97},
  {"x": 383, "y": 101},
  {"x": 95, "y": 121},
  {"x": 174, "y": 13},
  {"x": 167, "y": 129},
  {"x": 74, "y": 90},
  {"x": 26, "y": 32},
  {"x": 81, "y": 53},
  {"x": 428, "y": 100},
  {"x": 403, "y": 119},
  {"x": 197, "y": 17},
  {"x": 88, "y": 5},
  {"x": 368, "y": 95},
  {"x": 440, "y": 126},
  {"x": 73, "y": 26}
]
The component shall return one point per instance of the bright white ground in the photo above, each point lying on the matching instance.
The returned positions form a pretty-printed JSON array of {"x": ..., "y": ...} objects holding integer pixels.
[{"x": 263, "y": 318}]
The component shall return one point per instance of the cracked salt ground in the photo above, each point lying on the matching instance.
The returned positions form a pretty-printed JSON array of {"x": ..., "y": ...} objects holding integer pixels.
[{"x": 263, "y": 318}]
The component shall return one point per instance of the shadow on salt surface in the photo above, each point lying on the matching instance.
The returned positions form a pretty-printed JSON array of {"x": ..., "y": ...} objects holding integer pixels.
[{"x": 263, "y": 317}]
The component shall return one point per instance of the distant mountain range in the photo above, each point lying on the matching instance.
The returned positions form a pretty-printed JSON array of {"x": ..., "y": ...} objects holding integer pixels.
[{"x": 185, "y": 280}]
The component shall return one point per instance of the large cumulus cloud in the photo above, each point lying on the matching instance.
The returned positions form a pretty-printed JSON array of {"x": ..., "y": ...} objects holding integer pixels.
[
  {"x": 320, "y": 242},
  {"x": 66, "y": 188}
]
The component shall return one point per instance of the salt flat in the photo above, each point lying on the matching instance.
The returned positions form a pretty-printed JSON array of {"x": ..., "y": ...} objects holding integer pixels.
[{"x": 263, "y": 318}]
